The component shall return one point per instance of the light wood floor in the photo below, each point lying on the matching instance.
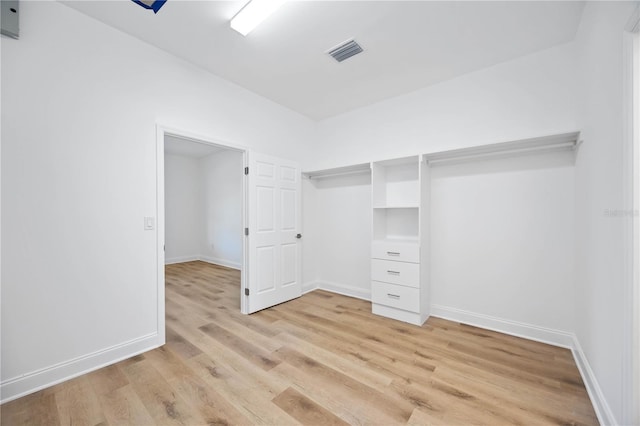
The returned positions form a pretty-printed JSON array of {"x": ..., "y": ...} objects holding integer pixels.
[{"x": 322, "y": 359}]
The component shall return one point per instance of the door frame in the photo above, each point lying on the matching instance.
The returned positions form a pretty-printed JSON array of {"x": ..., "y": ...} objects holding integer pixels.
[
  {"x": 161, "y": 132},
  {"x": 631, "y": 201}
]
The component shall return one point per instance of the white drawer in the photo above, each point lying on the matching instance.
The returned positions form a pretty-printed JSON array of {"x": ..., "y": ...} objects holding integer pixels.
[
  {"x": 396, "y": 296},
  {"x": 404, "y": 252},
  {"x": 402, "y": 273}
]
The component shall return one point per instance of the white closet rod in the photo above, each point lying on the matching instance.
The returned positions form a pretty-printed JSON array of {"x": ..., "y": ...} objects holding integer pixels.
[
  {"x": 561, "y": 142},
  {"x": 339, "y": 171},
  {"x": 551, "y": 143}
]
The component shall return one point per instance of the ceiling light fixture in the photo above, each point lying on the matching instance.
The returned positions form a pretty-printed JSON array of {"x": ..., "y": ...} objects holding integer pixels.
[{"x": 253, "y": 13}]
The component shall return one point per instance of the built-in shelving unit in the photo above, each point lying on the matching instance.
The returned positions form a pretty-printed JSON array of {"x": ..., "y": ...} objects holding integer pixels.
[
  {"x": 399, "y": 287},
  {"x": 400, "y": 201}
]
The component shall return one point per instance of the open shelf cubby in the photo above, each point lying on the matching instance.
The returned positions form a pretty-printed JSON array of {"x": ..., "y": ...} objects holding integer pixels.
[
  {"x": 396, "y": 224},
  {"x": 396, "y": 183}
]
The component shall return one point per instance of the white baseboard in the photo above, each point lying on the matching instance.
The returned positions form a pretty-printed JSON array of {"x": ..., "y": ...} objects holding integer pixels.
[
  {"x": 310, "y": 286},
  {"x": 212, "y": 260},
  {"x": 34, "y": 381},
  {"x": 180, "y": 259},
  {"x": 541, "y": 334},
  {"x": 345, "y": 290},
  {"x": 221, "y": 262},
  {"x": 550, "y": 336},
  {"x": 599, "y": 402}
]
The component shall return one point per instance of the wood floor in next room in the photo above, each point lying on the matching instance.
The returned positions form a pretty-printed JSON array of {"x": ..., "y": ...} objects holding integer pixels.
[{"x": 322, "y": 359}]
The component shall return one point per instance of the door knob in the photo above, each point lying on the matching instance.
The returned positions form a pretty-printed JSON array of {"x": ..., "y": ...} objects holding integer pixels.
[{"x": 299, "y": 236}]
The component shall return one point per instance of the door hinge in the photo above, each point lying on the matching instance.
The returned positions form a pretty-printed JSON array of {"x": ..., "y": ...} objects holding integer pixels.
[
  {"x": 246, "y": 291},
  {"x": 246, "y": 170},
  {"x": 246, "y": 231}
]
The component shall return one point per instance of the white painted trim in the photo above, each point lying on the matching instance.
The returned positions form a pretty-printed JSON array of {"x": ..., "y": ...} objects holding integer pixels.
[
  {"x": 309, "y": 287},
  {"x": 221, "y": 262},
  {"x": 550, "y": 336},
  {"x": 599, "y": 402},
  {"x": 398, "y": 314},
  {"x": 160, "y": 236},
  {"x": 198, "y": 137},
  {"x": 244, "y": 275},
  {"x": 345, "y": 290},
  {"x": 207, "y": 259},
  {"x": 180, "y": 259},
  {"x": 40, "y": 379},
  {"x": 161, "y": 131},
  {"x": 631, "y": 205}
]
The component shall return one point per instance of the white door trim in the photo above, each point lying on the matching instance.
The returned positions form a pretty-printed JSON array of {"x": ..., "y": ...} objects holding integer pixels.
[
  {"x": 161, "y": 132},
  {"x": 631, "y": 200}
]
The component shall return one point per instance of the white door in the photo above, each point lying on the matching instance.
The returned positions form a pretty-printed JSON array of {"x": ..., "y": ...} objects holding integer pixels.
[{"x": 274, "y": 225}]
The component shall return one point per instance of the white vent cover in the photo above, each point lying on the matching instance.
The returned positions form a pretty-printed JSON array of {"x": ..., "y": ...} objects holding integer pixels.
[{"x": 345, "y": 50}]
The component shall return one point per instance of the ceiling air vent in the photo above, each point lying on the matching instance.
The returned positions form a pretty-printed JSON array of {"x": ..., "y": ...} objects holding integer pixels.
[{"x": 345, "y": 50}]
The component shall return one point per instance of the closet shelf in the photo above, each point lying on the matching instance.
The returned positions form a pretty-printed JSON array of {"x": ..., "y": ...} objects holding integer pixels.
[
  {"x": 339, "y": 171},
  {"x": 402, "y": 206},
  {"x": 398, "y": 240},
  {"x": 559, "y": 142}
]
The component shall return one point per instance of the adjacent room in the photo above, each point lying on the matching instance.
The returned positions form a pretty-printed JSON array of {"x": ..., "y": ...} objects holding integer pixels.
[{"x": 319, "y": 212}]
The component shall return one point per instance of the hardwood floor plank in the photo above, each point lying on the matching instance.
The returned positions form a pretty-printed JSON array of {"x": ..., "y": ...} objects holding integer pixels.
[
  {"x": 107, "y": 379},
  {"x": 78, "y": 404},
  {"x": 338, "y": 382},
  {"x": 180, "y": 345},
  {"x": 122, "y": 407},
  {"x": 544, "y": 410},
  {"x": 212, "y": 407},
  {"x": 305, "y": 410},
  {"x": 320, "y": 359},
  {"x": 35, "y": 409},
  {"x": 252, "y": 402},
  {"x": 248, "y": 350},
  {"x": 164, "y": 406},
  {"x": 351, "y": 368}
]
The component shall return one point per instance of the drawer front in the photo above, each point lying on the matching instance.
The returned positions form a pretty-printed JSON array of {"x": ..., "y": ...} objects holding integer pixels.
[
  {"x": 402, "y": 273},
  {"x": 404, "y": 252},
  {"x": 396, "y": 296}
]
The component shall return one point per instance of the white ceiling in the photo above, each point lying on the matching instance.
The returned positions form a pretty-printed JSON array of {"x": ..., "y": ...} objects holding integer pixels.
[
  {"x": 408, "y": 44},
  {"x": 187, "y": 148}
]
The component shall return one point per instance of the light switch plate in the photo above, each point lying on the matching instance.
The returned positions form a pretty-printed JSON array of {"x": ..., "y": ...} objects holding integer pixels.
[{"x": 149, "y": 223}]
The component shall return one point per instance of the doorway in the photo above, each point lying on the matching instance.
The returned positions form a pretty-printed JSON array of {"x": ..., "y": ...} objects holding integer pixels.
[
  {"x": 267, "y": 200},
  {"x": 201, "y": 210}
]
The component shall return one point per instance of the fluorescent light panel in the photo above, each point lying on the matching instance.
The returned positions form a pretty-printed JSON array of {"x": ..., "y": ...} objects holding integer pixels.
[{"x": 253, "y": 13}]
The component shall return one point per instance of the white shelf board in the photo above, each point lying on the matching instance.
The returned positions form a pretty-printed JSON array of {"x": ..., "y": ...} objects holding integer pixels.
[
  {"x": 403, "y": 206},
  {"x": 559, "y": 142},
  {"x": 404, "y": 240},
  {"x": 413, "y": 159},
  {"x": 339, "y": 171}
]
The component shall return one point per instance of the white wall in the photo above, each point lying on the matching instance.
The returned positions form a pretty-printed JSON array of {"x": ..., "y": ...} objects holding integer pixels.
[
  {"x": 337, "y": 223},
  {"x": 184, "y": 208},
  {"x": 221, "y": 237},
  {"x": 527, "y": 97},
  {"x": 80, "y": 102},
  {"x": 599, "y": 244},
  {"x": 203, "y": 208},
  {"x": 509, "y": 221},
  {"x": 502, "y": 240}
]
